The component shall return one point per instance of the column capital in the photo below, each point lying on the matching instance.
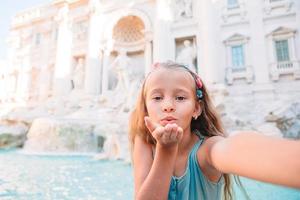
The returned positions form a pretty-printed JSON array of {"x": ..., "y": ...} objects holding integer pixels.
[{"x": 62, "y": 13}]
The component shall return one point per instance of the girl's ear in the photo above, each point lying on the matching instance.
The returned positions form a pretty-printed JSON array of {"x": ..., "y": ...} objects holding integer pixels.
[{"x": 198, "y": 110}]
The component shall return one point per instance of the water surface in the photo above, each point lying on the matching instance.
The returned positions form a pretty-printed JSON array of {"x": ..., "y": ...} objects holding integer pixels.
[{"x": 76, "y": 177}]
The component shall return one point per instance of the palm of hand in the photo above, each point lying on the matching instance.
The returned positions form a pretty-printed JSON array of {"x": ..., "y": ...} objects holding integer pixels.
[{"x": 168, "y": 135}]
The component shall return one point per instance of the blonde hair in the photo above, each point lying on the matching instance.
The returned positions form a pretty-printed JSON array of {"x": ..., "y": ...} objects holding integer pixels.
[{"x": 208, "y": 123}]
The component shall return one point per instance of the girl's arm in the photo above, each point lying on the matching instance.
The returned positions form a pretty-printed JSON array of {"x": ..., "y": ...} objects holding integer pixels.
[
  {"x": 253, "y": 155},
  {"x": 152, "y": 176}
]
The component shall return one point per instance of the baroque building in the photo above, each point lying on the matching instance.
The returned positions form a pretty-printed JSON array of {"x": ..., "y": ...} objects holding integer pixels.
[{"x": 97, "y": 46}]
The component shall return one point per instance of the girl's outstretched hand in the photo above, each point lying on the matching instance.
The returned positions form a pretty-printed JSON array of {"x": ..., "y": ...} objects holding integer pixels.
[{"x": 168, "y": 135}]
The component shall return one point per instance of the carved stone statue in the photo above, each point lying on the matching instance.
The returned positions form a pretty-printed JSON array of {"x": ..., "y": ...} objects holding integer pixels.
[
  {"x": 63, "y": 14},
  {"x": 183, "y": 9},
  {"x": 78, "y": 75},
  {"x": 120, "y": 66},
  {"x": 188, "y": 8},
  {"x": 187, "y": 55}
]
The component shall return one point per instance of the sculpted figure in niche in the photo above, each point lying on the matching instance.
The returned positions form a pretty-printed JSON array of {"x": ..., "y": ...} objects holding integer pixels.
[
  {"x": 78, "y": 75},
  {"x": 187, "y": 55},
  {"x": 121, "y": 66}
]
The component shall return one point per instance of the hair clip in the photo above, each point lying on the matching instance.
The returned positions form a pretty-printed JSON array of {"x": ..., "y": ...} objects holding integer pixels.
[
  {"x": 199, "y": 93},
  {"x": 198, "y": 81}
]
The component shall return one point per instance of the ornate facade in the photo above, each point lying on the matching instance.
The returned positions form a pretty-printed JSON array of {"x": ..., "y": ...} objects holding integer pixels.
[{"x": 72, "y": 44}]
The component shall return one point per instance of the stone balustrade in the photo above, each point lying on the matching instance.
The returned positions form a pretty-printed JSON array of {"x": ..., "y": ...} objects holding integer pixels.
[
  {"x": 284, "y": 68},
  {"x": 233, "y": 73},
  {"x": 274, "y": 8}
]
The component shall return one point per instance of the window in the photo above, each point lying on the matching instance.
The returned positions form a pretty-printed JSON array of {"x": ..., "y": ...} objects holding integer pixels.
[
  {"x": 232, "y": 3},
  {"x": 238, "y": 66},
  {"x": 238, "y": 61},
  {"x": 282, "y": 50}
]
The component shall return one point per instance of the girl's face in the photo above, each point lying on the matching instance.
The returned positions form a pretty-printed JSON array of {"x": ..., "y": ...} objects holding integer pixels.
[{"x": 170, "y": 97}]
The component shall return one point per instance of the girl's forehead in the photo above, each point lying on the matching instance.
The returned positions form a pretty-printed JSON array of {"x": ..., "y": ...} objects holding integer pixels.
[{"x": 164, "y": 76}]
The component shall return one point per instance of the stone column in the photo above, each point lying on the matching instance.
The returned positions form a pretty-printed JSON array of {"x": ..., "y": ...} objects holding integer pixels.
[
  {"x": 148, "y": 53},
  {"x": 62, "y": 79},
  {"x": 247, "y": 53},
  {"x": 162, "y": 40},
  {"x": 297, "y": 39},
  {"x": 26, "y": 80},
  {"x": 45, "y": 82},
  {"x": 229, "y": 54},
  {"x": 271, "y": 50},
  {"x": 93, "y": 62},
  {"x": 228, "y": 67},
  {"x": 19, "y": 81},
  {"x": 258, "y": 41},
  {"x": 272, "y": 62},
  {"x": 293, "y": 58},
  {"x": 263, "y": 89},
  {"x": 292, "y": 48},
  {"x": 105, "y": 69},
  {"x": 209, "y": 56},
  {"x": 2, "y": 85}
]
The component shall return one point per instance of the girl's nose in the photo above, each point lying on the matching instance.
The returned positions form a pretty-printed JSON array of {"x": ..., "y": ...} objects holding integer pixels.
[{"x": 168, "y": 106}]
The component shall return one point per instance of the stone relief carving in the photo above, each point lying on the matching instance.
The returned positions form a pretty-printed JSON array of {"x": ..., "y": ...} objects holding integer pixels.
[{"x": 183, "y": 9}]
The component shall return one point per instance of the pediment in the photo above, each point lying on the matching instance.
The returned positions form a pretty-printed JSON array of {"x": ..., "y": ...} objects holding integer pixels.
[
  {"x": 282, "y": 30},
  {"x": 236, "y": 37}
]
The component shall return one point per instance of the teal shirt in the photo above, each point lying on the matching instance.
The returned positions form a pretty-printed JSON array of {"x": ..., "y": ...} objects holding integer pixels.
[{"x": 193, "y": 185}]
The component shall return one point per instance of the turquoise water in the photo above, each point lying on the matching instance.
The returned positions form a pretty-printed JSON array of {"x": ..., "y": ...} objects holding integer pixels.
[{"x": 40, "y": 177}]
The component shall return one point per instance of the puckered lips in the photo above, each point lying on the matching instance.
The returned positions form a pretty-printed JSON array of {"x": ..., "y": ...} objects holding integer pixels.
[{"x": 168, "y": 120}]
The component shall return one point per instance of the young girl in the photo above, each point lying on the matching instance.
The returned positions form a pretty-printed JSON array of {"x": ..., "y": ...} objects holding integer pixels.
[{"x": 179, "y": 146}]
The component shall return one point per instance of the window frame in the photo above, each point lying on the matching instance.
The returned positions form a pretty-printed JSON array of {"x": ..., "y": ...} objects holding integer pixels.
[
  {"x": 232, "y": 5},
  {"x": 284, "y": 54},
  {"x": 238, "y": 63}
]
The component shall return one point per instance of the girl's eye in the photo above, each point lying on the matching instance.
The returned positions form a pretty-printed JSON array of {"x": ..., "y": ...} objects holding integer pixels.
[
  {"x": 180, "y": 98},
  {"x": 157, "y": 98}
]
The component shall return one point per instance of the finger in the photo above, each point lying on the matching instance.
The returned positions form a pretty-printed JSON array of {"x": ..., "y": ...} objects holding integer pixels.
[
  {"x": 173, "y": 131},
  {"x": 149, "y": 124},
  {"x": 168, "y": 128},
  {"x": 174, "y": 128},
  {"x": 179, "y": 133},
  {"x": 158, "y": 132},
  {"x": 173, "y": 136},
  {"x": 166, "y": 134}
]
